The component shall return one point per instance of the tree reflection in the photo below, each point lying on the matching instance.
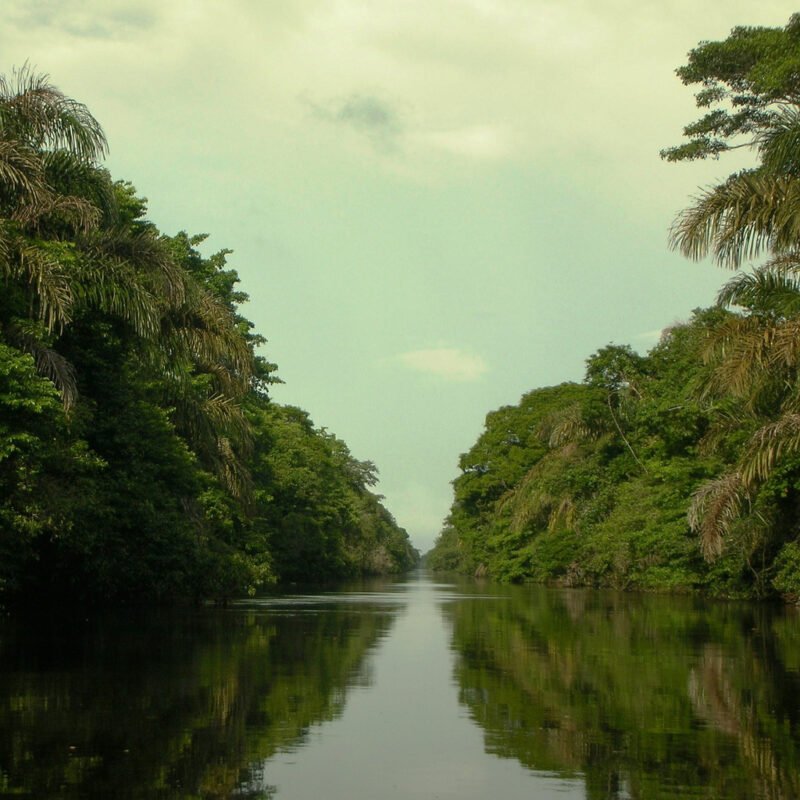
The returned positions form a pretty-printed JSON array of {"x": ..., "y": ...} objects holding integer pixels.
[
  {"x": 643, "y": 696},
  {"x": 173, "y": 706}
]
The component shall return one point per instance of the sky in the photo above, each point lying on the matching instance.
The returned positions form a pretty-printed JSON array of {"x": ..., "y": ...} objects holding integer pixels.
[{"x": 434, "y": 205}]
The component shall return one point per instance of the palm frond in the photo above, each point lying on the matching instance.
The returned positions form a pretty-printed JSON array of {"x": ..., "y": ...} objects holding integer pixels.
[
  {"x": 20, "y": 168},
  {"x": 735, "y": 221},
  {"x": 786, "y": 262},
  {"x": 115, "y": 287},
  {"x": 60, "y": 371},
  {"x": 768, "y": 445},
  {"x": 226, "y": 381},
  {"x": 772, "y": 288},
  {"x": 740, "y": 349},
  {"x": 226, "y": 414},
  {"x": 45, "y": 274},
  {"x": 213, "y": 352},
  {"x": 723, "y": 424},
  {"x": 779, "y": 142},
  {"x": 217, "y": 430},
  {"x": 67, "y": 175},
  {"x": 532, "y": 506},
  {"x": 76, "y": 212},
  {"x": 35, "y": 112},
  {"x": 207, "y": 329},
  {"x": 563, "y": 515},
  {"x": 531, "y": 501},
  {"x": 149, "y": 255},
  {"x": 715, "y": 506},
  {"x": 785, "y": 355},
  {"x": 233, "y": 472},
  {"x": 30, "y": 337},
  {"x": 566, "y": 426}
]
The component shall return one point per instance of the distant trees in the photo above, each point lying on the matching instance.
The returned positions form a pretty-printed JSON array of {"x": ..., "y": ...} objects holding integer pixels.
[{"x": 597, "y": 489}]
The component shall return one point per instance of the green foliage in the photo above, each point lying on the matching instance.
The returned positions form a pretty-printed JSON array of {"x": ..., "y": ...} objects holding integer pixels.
[
  {"x": 31, "y": 420},
  {"x": 512, "y": 444},
  {"x": 324, "y": 522},
  {"x": 598, "y": 494},
  {"x": 694, "y": 448},
  {"x": 448, "y": 555},
  {"x": 163, "y": 472},
  {"x": 787, "y": 571},
  {"x": 615, "y": 368},
  {"x": 744, "y": 80},
  {"x": 749, "y": 507}
]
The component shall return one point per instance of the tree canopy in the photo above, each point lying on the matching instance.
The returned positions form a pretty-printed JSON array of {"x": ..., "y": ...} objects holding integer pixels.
[
  {"x": 140, "y": 453},
  {"x": 748, "y": 83},
  {"x": 679, "y": 469}
]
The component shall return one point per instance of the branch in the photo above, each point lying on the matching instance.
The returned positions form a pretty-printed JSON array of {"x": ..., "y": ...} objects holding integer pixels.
[{"x": 624, "y": 438}]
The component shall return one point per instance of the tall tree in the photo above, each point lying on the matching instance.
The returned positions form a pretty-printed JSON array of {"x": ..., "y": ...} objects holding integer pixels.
[
  {"x": 748, "y": 83},
  {"x": 752, "y": 81},
  {"x": 141, "y": 481}
]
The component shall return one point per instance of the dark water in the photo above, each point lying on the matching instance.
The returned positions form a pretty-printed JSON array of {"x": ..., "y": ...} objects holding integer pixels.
[{"x": 406, "y": 689}]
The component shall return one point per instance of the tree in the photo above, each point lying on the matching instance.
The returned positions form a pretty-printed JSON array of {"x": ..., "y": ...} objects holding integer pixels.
[
  {"x": 755, "y": 360},
  {"x": 44, "y": 136},
  {"x": 140, "y": 481},
  {"x": 751, "y": 84},
  {"x": 755, "y": 212}
]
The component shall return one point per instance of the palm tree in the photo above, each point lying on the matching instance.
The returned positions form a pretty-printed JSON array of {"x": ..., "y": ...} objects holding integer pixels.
[
  {"x": 43, "y": 136},
  {"x": 65, "y": 252},
  {"x": 207, "y": 366},
  {"x": 756, "y": 359},
  {"x": 756, "y": 356},
  {"x": 37, "y": 115},
  {"x": 750, "y": 82},
  {"x": 754, "y": 211}
]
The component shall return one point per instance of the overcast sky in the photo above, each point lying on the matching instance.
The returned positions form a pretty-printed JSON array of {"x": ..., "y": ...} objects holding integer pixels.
[{"x": 435, "y": 205}]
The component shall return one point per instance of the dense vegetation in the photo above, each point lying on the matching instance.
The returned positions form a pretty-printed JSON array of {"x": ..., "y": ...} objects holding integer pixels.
[
  {"x": 140, "y": 455},
  {"x": 678, "y": 469}
]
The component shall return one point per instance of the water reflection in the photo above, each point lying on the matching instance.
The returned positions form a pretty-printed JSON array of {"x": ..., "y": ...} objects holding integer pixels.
[
  {"x": 645, "y": 697},
  {"x": 174, "y": 706},
  {"x": 355, "y": 694}
]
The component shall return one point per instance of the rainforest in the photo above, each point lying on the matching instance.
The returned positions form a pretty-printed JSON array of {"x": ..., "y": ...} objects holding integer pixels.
[
  {"x": 678, "y": 469},
  {"x": 203, "y": 596},
  {"x": 141, "y": 458}
]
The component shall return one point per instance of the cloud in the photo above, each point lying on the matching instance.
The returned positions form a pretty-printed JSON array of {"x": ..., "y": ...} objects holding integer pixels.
[
  {"x": 113, "y": 19},
  {"x": 448, "y": 363},
  {"x": 384, "y": 126},
  {"x": 475, "y": 141},
  {"x": 365, "y": 114}
]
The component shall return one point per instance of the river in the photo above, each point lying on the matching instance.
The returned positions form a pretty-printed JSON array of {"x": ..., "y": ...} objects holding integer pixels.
[{"x": 409, "y": 688}]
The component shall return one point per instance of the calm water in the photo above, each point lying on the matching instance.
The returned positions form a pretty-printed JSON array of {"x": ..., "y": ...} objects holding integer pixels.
[{"x": 407, "y": 689}]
